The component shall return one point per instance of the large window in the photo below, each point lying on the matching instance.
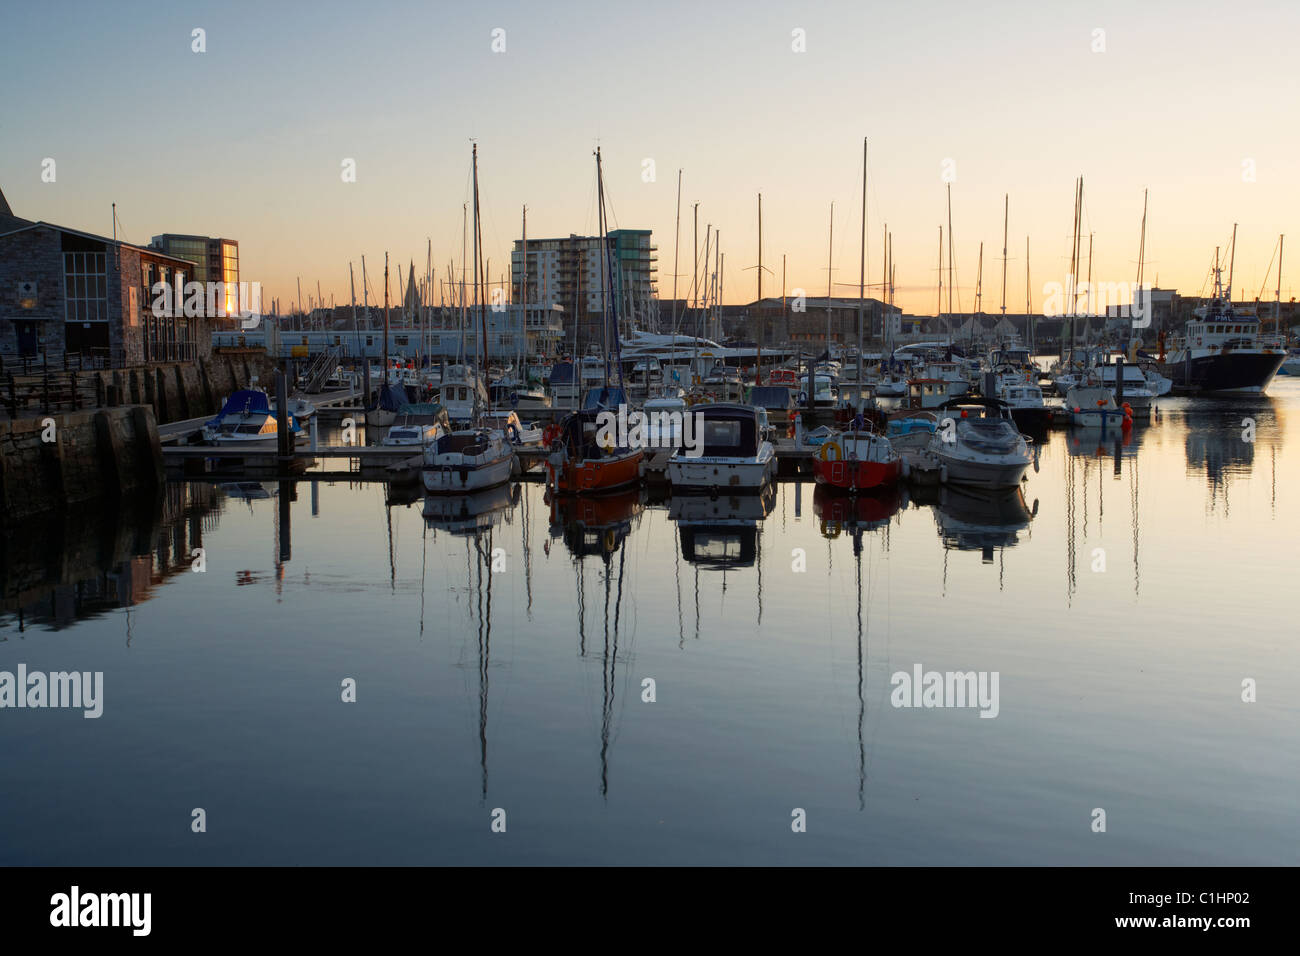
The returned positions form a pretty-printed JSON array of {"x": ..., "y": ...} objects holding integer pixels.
[{"x": 87, "y": 287}]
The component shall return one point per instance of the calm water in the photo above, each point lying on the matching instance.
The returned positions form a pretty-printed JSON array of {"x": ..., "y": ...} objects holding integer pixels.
[{"x": 521, "y": 688}]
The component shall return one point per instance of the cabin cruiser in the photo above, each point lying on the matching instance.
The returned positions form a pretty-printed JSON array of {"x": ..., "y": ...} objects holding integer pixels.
[
  {"x": 664, "y": 417},
  {"x": 461, "y": 392},
  {"x": 420, "y": 425},
  {"x": 732, "y": 454},
  {"x": 247, "y": 421},
  {"x": 468, "y": 460},
  {"x": 1093, "y": 406},
  {"x": 1025, "y": 401},
  {"x": 977, "y": 444},
  {"x": 949, "y": 372},
  {"x": 563, "y": 383},
  {"x": 299, "y": 408},
  {"x": 778, "y": 401},
  {"x": 1136, "y": 391}
]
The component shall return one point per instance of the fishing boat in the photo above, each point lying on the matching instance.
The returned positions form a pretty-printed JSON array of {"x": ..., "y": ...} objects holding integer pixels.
[
  {"x": 856, "y": 461},
  {"x": 579, "y": 464},
  {"x": 1220, "y": 350},
  {"x": 732, "y": 454},
  {"x": 247, "y": 421},
  {"x": 1137, "y": 393},
  {"x": 977, "y": 444}
]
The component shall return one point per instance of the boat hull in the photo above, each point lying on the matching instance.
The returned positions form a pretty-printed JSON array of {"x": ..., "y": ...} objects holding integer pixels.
[
  {"x": 453, "y": 479},
  {"x": 973, "y": 474},
  {"x": 1225, "y": 373},
  {"x": 591, "y": 476},
  {"x": 704, "y": 473},
  {"x": 857, "y": 475}
]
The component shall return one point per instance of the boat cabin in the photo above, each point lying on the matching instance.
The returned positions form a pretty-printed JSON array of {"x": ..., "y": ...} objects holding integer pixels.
[{"x": 730, "y": 430}]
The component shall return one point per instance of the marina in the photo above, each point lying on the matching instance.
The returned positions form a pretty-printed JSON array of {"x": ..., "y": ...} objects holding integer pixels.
[
  {"x": 704, "y": 437},
  {"x": 500, "y": 642}
]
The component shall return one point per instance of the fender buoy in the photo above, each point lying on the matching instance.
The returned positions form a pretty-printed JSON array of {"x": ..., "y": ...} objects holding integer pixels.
[
  {"x": 610, "y": 540},
  {"x": 513, "y": 431},
  {"x": 833, "y": 531},
  {"x": 826, "y": 447},
  {"x": 803, "y": 398}
]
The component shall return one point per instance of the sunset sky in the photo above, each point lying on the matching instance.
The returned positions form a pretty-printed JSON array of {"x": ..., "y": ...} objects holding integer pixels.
[{"x": 246, "y": 140}]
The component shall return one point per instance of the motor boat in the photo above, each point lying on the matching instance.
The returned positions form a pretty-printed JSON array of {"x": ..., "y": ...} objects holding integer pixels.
[
  {"x": 1025, "y": 401},
  {"x": 977, "y": 443},
  {"x": 664, "y": 417},
  {"x": 856, "y": 461},
  {"x": 462, "y": 392},
  {"x": 467, "y": 460},
  {"x": 731, "y": 454},
  {"x": 247, "y": 421},
  {"x": 1093, "y": 406},
  {"x": 421, "y": 425},
  {"x": 518, "y": 433}
]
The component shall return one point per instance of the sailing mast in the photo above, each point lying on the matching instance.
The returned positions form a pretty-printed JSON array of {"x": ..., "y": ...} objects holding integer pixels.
[
  {"x": 1029, "y": 315},
  {"x": 950, "y": 256},
  {"x": 1006, "y": 208},
  {"x": 464, "y": 227},
  {"x": 480, "y": 351},
  {"x": 1232, "y": 261},
  {"x": 520, "y": 374},
  {"x": 862, "y": 270},
  {"x": 1277, "y": 301},
  {"x": 758, "y": 370},
  {"x": 677, "y": 239},
  {"x": 1142, "y": 248},
  {"x": 385, "y": 380},
  {"x": 830, "y": 254}
]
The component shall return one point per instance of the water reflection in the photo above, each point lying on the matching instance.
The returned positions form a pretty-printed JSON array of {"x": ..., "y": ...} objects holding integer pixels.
[{"x": 84, "y": 562}]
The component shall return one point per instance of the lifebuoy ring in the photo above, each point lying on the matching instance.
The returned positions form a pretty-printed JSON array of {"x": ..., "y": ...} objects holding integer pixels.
[{"x": 826, "y": 447}]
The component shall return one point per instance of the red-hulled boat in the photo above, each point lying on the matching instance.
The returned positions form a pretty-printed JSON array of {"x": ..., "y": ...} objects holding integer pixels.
[
  {"x": 579, "y": 464},
  {"x": 857, "y": 461}
]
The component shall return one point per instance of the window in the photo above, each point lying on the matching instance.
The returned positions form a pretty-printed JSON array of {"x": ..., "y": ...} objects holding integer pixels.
[{"x": 86, "y": 285}]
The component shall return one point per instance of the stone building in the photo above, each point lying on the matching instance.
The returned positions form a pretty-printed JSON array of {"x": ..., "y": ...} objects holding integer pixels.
[{"x": 64, "y": 292}]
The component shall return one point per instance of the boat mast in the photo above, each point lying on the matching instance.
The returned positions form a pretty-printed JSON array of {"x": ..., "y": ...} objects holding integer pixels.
[
  {"x": 352, "y": 284},
  {"x": 979, "y": 293},
  {"x": 695, "y": 287},
  {"x": 464, "y": 229},
  {"x": 862, "y": 270},
  {"x": 1277, "y": 301},
  {"x": 1006, "y": 209},
  {"x": 830, "y": 254},
  {"x": 1142, "y": 245},
  {"x": 947, "y": 333},
  {"x": 385, "y": 318},
  {"x": 1029, "y": 315},
  {"x": 762, "y": 330},
  {"x": 1232, "y": 261},
  {"x": 677, "y": 239},
  {"x": 950, "y": 255},
  {"x": 523, "y": 315},
  {"x": 479, "y": 352}
]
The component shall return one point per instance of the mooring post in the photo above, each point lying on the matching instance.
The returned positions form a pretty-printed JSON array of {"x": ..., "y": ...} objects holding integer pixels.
[
  {"x": 282, "y": 416},
  {"x": 1119, "y": 382}
]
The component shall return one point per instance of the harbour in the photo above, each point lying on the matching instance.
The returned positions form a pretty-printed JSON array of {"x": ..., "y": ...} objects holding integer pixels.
[{"x": 710, "y": 438}]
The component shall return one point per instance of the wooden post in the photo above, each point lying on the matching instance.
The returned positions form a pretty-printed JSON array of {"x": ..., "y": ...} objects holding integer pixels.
[{"x": 283, "y": 441}]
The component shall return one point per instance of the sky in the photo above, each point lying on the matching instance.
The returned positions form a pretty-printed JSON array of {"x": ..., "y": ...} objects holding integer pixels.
[{"x": 1192, "y": 100}]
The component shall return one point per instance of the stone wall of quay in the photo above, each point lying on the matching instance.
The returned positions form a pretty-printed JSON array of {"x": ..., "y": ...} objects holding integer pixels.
[{"x": 55, "y": 461}]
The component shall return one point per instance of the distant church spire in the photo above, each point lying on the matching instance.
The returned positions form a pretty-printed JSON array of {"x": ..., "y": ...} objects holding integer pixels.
[{"x": 4, "y": 205}]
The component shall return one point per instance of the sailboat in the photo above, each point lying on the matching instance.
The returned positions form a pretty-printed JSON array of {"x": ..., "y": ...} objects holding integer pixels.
[
  {"x": 578, "y": 463},
  {"x": 472, "y": 459}
]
